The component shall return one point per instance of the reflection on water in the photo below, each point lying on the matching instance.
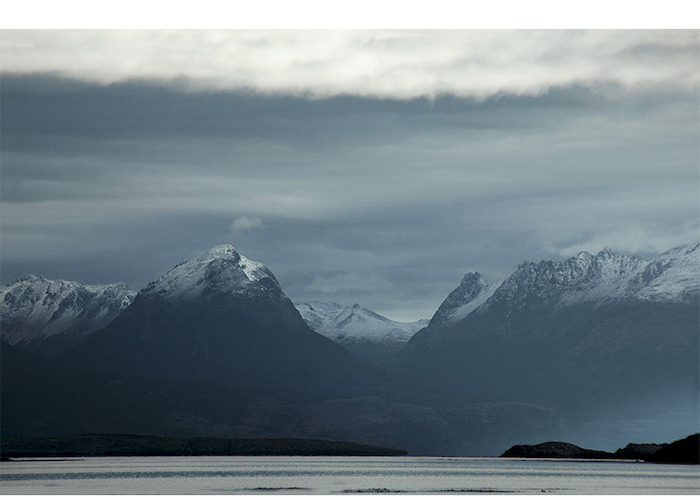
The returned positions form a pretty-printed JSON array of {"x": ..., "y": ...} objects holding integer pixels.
[{"x": 334, "y": 475}]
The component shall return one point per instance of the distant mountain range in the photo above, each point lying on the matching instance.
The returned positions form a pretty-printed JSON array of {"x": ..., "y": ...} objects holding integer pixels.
[
  {"x": 600, "y": 347},
  {"x": 361, "y": 331},
  {"x": 590, "y": 334}
]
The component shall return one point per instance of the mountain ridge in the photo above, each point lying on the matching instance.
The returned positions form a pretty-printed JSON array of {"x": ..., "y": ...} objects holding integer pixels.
[
  {"x": 216, "y": 315},
  {"x": 46, "y": 315},
  {"x": 215, "y": 347},
  {"x": 345, "y": 323},
  {"x": 607, "y": 276},
  {"x": 590, "y": 334}
]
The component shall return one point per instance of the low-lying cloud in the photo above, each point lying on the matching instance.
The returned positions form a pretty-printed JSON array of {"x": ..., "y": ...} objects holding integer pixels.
[{"x": 246, "y": 224}]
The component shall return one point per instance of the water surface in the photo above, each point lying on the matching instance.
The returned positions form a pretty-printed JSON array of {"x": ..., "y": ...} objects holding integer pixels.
[{"x": 339, "y": 475}]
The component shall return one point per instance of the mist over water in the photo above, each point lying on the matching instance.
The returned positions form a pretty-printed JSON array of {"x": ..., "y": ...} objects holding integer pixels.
[{"x": 342, "y": 475}]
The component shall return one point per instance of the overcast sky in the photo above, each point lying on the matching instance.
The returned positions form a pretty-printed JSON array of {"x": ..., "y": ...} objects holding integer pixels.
[{"x": 360, "y": 166}]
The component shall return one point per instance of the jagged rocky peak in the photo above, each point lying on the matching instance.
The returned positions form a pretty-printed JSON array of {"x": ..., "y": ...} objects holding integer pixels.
[
  {"x": 472, "y": 284},
  {"x": 610, "y": 265},
  {"x": 580, "y": 278},
  {"x": 33, "y": 307},
  {"x": 218, "y": 270},
  {"x": 606, "y": 276},
  {"x": 473, "y": 291},
  {"x": 584, "y": 268},
  {"x": 41, "y": 298}
]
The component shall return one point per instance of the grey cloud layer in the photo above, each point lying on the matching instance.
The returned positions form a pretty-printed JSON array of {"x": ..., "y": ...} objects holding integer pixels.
[{"x": 384, "y": 202}]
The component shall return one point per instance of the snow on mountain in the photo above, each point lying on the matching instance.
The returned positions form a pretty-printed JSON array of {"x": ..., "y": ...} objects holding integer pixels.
[
  {"x": 591, "y": 335},
  {"x": 583, "y": 278},
  {"x": 219, "y": 270},
  {"x": 344, "y": 324},
  {"x": 217, "y": 317},
  {"x": 673, "y": 276},
  {"x": 604, "y": 277},
  {"x": 34, "y": 308},
  {"x": 607, "y": 276},
  {"x": 473, "y": 291}
]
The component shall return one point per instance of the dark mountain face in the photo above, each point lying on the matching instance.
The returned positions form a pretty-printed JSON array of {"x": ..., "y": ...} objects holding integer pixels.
[
  {"x": 589, "y": 335},
  {"x": 217, "y": 317},
  {"x": 579, "y": 354},
  {"x": 215, "y": 348},
  {"x": 41, "y": 397}
]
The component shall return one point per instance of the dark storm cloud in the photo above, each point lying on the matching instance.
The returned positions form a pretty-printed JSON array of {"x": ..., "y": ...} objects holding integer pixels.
[
  {"x": 46, "y": 105},
  {"x": 379, "y": 201}
]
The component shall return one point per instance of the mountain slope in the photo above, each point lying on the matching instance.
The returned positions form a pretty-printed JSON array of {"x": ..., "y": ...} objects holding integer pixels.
[
  {"x": 362, "y": 332},
  {"x": 218, "y": 316},
  {"x": 47, "y": 316},
  {"x": 671, "y": 277},
  {"x": 472, "y": 292},
  {"x": 597, "y": 345},
  {"x": 589, "y": 333},
  {"x": 224, "y": 353}
]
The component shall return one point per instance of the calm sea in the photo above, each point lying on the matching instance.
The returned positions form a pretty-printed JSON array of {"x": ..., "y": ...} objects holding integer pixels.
[{"x": 342, "y": 475}]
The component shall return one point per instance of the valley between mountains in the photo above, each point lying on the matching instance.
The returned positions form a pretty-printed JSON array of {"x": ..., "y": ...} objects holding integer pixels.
[{"x": 601, "y": 350}]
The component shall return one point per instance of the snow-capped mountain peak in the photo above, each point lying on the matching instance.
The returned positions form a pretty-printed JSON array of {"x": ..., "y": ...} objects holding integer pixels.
[
  {"x": 583, "y": 278},
  {"x": 355, "y": 323},
  {"x": 218, "y": 270},
  {"x": 33, "y": 307},
  {"x": 606, "y": 276}
]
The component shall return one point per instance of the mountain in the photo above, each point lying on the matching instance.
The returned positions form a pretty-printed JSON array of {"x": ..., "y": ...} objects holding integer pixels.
[
  {"x": 215, "y": 348},
  {"x": 592, "y": 332},
  {"x": 43, "y": 397},
  {"x": 47, "y": 316},
  {"x": 671, "y": 277},
  {"x": 469, "y": 295},
  {"x": 347, "y": 324},
  {"x": 605, "y": 278},
  {"x": 219, "y": 316},
  {"x": 596, "y": 349},
  {"x": 361, "y": 331}
]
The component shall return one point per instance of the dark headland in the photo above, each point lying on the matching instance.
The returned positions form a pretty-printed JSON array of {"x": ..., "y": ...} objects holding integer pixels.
[
  {"x": 112, "y": 445},
  {"x": 683, "y": 451}
]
